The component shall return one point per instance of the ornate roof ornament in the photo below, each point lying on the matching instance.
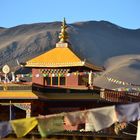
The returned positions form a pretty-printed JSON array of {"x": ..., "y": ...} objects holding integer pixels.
[{"x": 63, "y": 35}]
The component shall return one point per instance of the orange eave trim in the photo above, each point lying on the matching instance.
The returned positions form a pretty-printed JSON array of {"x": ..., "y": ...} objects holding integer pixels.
[
  {"x": 17, "y": 95},
  {"x": 59, "y": 65}
]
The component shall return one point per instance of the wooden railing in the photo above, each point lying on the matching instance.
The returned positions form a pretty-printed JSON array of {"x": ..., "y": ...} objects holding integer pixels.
[
  {"x": 119, "y": 96},
  {"x": 16, "y": 86},
  {"x": 50, "y": 89}
]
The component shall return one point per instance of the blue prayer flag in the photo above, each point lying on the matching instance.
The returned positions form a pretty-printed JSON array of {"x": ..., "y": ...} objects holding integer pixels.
[
  {"x": 5, "y": 129},
  {"x": 128, "y": 112}
]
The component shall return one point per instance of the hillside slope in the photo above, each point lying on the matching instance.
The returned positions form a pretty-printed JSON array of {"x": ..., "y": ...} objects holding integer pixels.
[{"x": 103, "y": 43}]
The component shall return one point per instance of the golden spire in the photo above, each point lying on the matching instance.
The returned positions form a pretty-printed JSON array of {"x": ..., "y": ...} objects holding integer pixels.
[{"x": 63, "y": 35}]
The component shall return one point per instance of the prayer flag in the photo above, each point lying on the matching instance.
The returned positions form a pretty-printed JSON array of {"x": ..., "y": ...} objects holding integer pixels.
[
  {"x": 102, "y": 117},
  {"x": 128, "y": 112},
  {"x": 23, "y": 126},
  {"x": 5, "y": 129},
  {"x": 50, "y": 124}
]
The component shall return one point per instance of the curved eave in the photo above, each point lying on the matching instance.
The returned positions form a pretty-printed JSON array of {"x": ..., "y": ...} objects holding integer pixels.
[
  {"x": 93, "y": 67},
  {"x": 59, "y": 65},
  {"x": 53, "y": 65}
]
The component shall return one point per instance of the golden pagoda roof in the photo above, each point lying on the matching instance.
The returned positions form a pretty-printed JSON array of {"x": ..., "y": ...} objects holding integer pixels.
[
  {"x": 17, "y": 95},
  {"x": 61, "y": 55}
]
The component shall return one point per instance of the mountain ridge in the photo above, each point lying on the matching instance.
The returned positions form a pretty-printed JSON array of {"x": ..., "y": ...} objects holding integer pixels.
[{"x": 97, "y": 41}]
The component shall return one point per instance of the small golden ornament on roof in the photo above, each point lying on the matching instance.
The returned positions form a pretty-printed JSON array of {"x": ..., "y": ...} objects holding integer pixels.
[{"x": 63, "y": 36}]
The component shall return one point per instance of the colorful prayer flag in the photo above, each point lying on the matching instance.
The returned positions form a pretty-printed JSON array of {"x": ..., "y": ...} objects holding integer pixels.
[
  {"x": 102, "y": 117},
  {"x": 128, "y": 112},
  {"x": 23, "y": 126},
  {"x": 5, "y": 129},
  {"x": 49, "y": 125}
]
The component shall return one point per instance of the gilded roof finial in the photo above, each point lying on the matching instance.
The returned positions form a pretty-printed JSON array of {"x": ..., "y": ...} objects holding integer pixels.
[{"x": 63, "y": 36}]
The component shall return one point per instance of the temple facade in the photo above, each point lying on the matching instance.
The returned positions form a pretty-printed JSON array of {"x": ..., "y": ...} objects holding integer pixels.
[
  {"x": 61, "y": 67},
  {"x": 62, "y": 80}
]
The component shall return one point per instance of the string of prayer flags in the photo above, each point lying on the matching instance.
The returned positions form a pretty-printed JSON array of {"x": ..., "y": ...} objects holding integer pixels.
[
  {"x": 117, "y": 81},
  {"x": 50, "y": 74},
  {"x": 120, "y": 82},
  {"x": 23, "y": 126},
  {"x": 96, "y": 118},
  {"x": 133, "y": 89}
]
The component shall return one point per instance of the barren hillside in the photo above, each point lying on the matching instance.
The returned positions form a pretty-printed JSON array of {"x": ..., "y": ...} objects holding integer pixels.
[{"x": 101, "y": 42}]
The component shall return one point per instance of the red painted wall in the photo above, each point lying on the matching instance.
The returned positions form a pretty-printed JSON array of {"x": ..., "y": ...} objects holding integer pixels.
[
  {"x": 37, "y": 80},
  {"x": 72, "y": 80}
]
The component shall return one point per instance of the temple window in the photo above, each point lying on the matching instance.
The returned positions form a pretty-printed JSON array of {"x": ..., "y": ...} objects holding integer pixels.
[
  {"x": 48, "y": 80},
  {"x": 55, "y": 80},
  {"x": 62, "y": 80}
]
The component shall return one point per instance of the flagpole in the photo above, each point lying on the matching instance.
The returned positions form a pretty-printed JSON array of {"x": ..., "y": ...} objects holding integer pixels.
[{"x": 10, "y": 111}]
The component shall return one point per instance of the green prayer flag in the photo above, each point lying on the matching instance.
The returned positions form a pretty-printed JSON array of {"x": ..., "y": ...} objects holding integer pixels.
[{"x": 50, "y": 125}]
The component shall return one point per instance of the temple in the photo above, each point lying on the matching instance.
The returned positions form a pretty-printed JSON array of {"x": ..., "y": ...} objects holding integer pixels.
[
  {"x": 61, "y": 67},
  {"x": 62, "y": 79}
]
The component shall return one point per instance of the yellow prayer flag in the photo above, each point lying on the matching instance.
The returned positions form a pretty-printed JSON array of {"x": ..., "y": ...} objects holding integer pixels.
[{"x": 23, "y": 126}]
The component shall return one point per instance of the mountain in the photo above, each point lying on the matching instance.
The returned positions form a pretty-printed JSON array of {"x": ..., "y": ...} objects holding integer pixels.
[{"x": 101, "y": 42}]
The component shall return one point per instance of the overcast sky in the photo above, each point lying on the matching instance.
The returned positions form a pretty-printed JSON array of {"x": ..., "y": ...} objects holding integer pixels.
[{"x": 125, "y": 13}]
